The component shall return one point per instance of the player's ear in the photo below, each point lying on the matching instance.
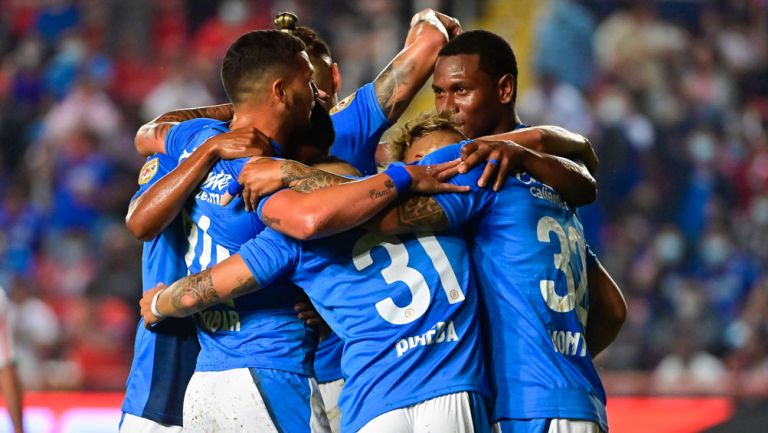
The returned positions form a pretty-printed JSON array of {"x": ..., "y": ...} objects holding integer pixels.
[
  {"x": 335, "y": 77},
  {"x": 278, "y": 91},
  {"x": 506, "y": 88}
]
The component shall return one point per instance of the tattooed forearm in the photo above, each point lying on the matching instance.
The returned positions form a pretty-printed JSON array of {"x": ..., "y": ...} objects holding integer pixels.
[
  {"x": 219, "y": 112},
  {"x": 392, "y": 87},
  {"x": 302, "y": 178},
  {"x": 423, "y": 213},
  {"x": 244, "y": 285},
  {"x": 389, "y": 186},
  {"x": 194, "y": 293}
]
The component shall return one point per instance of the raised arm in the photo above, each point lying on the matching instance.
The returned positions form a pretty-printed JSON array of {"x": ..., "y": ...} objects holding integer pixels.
[
  {"x": 607, "y": 309},
  {"x": 151, "y": 212},
  {"x": 404, "y": 76},
  {"x": 150, "y": 138},
  {"x": 194, "y": 293},
  {"x": 321, "y": 204}
]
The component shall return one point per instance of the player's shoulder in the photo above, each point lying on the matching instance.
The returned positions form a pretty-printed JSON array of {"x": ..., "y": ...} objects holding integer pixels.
[{"x": 364, "y": 96}]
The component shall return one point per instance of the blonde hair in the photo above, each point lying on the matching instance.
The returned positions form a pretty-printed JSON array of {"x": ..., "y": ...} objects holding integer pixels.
[{"x": 422, "y": 125}]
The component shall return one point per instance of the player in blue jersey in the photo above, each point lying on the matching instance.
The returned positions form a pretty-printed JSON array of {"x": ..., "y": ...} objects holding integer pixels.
[
  {"x": 541, "y": 366},
  {"x": 394, "y": 88},
  {"x": 268, "y": 77},
  {"x": 353, "y": 201},
  {"x": 164, "y": 359},
  {"x": 423, "y": 354},
  {"x": 475, "y": 83}
]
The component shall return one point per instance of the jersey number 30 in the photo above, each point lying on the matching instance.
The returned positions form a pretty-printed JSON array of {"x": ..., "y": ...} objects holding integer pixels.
[
  {"x": 399, "y": 271},
  {"x": 572, "y": 244}
]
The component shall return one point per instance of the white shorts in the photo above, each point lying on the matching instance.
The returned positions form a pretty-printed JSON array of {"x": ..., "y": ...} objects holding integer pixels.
[
  {"x": 461, "y": 412},
  {"x": 546, "y": 425},
  {"x": 135, "y": 424},
  {"x": 7, "y": 354},
  {"x": 330, "y": 392},
  {"x": 253, "y": 400}
]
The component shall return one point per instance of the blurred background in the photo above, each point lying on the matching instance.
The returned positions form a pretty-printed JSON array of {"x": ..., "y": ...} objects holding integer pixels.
[{"x": 673, "y": 95}]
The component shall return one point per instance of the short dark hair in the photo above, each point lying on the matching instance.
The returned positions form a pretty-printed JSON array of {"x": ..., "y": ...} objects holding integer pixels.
[
  {"x": 316, "y": 46},
  {"x": 252, "y": 56},
  {"x": 496, "y": 56}
]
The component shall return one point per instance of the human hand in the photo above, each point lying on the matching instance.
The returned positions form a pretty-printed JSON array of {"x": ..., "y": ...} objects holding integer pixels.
[
  {"x": 150, "y": 319},
  {"x": 241, "y": 143}
]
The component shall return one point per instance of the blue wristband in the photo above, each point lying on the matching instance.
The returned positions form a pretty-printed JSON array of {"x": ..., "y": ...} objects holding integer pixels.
[
  {"x": 400, "y": 177},
  {"x": 234, "y": 188}
]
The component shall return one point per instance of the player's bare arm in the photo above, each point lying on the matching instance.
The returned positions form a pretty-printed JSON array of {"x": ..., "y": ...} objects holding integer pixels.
[
  {"x": 553, "y": 140},
  {"x": 607, "y": 310},
  {"x": 229, "y": 279},
  {"x": 544, "y": 140},
  {"x": 150, "y": 138},
  {"x": 338, "y": 208},
  {"x": 151, "y": 212},
  {"x": 399, "y": 82}
]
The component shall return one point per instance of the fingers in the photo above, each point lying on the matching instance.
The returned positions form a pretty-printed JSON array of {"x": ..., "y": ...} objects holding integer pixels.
[
  {"x": 490, "y": 169},
  {"x": 450, "y": 187},
  {"x": 480, "y": 154},
  {"x": 502, "y": 174},
  {"x": 225, "y": 199},
  {"x": 247, "y": 198}
]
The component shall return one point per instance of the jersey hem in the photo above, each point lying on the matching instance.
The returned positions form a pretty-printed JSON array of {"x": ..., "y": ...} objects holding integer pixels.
[
  {"x": 159, "y": 417},
  {"x": 357, "y": 425}
]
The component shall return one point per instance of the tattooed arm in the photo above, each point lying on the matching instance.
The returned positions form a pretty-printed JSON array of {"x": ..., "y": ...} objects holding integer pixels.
[
  {"x": 150, "y": 138},
  {"x": 337, "y": 208},
  {"x": 151, "y": 212},
  {"x": 228, "y": 279},
  {"x": 404, "y": 76}
]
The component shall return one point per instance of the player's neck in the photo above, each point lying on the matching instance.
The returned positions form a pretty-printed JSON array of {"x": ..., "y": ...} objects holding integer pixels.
[
  {"x": 264, "y": 120},
  {"x": 507, "y": 123}
]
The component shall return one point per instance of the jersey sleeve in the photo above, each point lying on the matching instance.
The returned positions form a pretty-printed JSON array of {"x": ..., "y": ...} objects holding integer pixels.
[
  {"x": 460, "y": 207},
  {"x": 183, "y": 135},
  {"x": 359, "y": 123},
  {"x": 154, "y": 169},
  {"x": 270, "y": 255}
]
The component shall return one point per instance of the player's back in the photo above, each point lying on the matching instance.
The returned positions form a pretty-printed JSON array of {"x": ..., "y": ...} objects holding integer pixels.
[
  {"x": 257, "y": 330},
  {"x": 530, "y": 256},
  {"x": 406, "y": 309}
]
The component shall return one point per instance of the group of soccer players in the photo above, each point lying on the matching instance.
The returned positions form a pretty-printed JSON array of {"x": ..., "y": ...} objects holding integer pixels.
[{"x": 458, "y": 289}]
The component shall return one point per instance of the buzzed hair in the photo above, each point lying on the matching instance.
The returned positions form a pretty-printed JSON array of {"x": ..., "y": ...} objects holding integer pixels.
[
  {"x": 255, "y": 57},
  {"x": 496, "y": 56},
  {"x": 423, "y": 125}
]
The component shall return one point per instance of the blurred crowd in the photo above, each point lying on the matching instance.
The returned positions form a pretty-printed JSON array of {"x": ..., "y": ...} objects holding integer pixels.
[{"x": 672, "y": 95}]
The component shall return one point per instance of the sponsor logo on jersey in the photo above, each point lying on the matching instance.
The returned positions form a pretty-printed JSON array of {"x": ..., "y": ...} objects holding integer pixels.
[
  {"x": 344, "y": 103},
  {"x": 544, "y": 192},
  {"x": 569, "y": 343},
  {"x": 441, "y": 332},
  {"x": 148, "y": 171},
  {"x": 220, "y": 320}
]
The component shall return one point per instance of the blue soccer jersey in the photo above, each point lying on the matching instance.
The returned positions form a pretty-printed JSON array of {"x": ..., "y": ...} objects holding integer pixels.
[
  {"x": 359, "y": 123},
  {"x": 164, "y": 358},
  {"x": 531, "y": 260},
  {"x": 260, "y": 330},
  {"x": 405, "y": 307}
]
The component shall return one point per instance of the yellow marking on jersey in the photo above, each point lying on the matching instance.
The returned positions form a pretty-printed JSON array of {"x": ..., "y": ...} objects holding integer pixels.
[
  {"x": 148, "y": 171},
  {"x": 344, "y": 103}
]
